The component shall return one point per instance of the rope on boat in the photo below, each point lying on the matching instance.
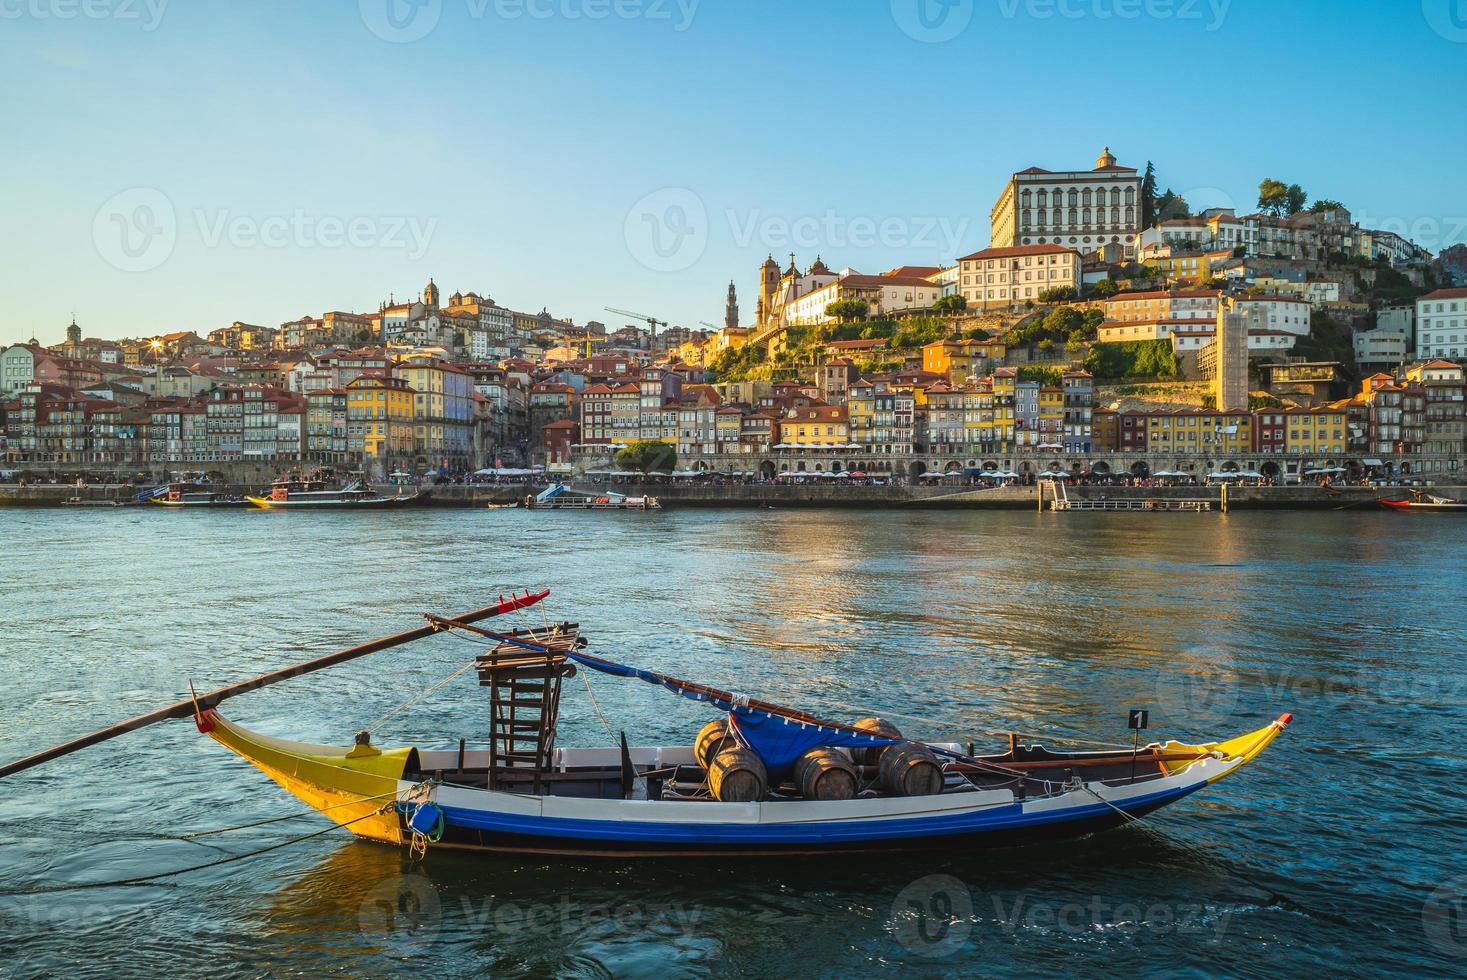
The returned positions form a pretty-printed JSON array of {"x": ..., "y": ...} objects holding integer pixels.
[
  {"x": 420, "y": 696},
  {"x": 288, "y": 816},
  {"x": 597, "y": 705},
  {"x": 144, "y": 879},
  {"x": 1273, "y": 897},
  {"x": 957, "y": 726}
]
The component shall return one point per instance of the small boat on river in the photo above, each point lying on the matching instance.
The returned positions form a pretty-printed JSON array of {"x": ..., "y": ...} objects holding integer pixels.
[
  {"x": 191, "y": 491},
  {"x": 561, "y": 496},
  {"x": 292, "y": 493},
  {"x": 761, "y": 779},
  {"x": 1427, "y": 502}
]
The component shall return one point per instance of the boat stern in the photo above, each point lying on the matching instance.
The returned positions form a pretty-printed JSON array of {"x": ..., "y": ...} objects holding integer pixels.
[{"x": 1235, "y": 753}]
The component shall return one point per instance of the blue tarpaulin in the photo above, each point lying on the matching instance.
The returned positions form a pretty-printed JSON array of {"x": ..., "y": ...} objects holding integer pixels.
[
  {"x": 776, "y": 739},
  {"x": 779, "y": 742}
]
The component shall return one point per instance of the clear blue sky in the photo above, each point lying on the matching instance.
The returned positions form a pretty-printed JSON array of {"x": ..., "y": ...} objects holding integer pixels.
[{"x": 513, "y": 148}]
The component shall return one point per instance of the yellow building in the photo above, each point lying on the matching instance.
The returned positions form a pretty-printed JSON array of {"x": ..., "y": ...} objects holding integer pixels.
[
  {"x": 1201, "y": 432},
  {"x": 1051, "y": 417},
  {"x": 1315, "y": 431},
  {"x": 379, "y": 418},
  {"x": 861, "y": 409},
  {"x": 815, "y": 426},
  {"x": 1005, "y": 381},
  {"x": 1196, "y": 267},
  {"x": 959, "y": 360}
]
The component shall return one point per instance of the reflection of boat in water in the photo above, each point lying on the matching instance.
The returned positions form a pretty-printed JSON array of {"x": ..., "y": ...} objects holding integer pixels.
[
  {"x": 190, "y": 490},
  {"x": 294, "y": 493},
  {"x": 760, "y": 779},
  {"x": 1429, "y": 502},
  {"x": 561, "y": 496}
]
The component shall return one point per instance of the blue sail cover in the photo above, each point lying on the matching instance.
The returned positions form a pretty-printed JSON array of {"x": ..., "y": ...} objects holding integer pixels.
[{"x": 777, "y": 740}]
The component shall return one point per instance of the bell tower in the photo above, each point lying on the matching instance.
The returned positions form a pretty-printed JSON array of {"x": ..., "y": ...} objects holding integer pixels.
[
  {"x": 430, "y": 295},
  {"x": 768, "y": 285},
  {"x": 731, "y": 308},
  {"x": 73, "y": 334}
]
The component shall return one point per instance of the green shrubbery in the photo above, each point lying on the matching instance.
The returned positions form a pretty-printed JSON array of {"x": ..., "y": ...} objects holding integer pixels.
[{"x": 1132, "y": 359}]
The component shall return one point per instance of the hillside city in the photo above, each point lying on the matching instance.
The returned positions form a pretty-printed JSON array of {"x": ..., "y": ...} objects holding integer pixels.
[{"x": 1104, "y": 319}]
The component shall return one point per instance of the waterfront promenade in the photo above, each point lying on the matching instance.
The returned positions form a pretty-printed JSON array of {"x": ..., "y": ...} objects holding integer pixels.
[{"x": 765, "y": 495}]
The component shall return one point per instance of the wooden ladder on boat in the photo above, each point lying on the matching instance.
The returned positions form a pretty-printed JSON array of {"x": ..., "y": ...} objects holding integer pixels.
[{"x": 524, "y": 704}]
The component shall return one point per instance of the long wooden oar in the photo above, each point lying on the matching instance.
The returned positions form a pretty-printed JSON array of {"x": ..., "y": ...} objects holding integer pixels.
[{"x": 187, "y": 708}]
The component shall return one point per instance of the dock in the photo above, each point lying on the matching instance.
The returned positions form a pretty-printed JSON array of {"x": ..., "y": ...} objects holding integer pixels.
[{"x": 1060, "y": 500}]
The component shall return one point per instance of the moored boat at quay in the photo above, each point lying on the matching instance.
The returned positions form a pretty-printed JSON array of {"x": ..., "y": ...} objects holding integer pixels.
[
  {"x": 290, "y": 493},
  {"x": 190, "y": 490},
  {"x": 1422, "y": 501},
  {"x": 761, "y": 779}
]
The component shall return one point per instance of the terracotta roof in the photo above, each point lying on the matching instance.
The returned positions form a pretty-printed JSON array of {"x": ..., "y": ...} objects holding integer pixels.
[
  {"x": 1444, "y": 294},
  {"x": 1010, "y": 251}
]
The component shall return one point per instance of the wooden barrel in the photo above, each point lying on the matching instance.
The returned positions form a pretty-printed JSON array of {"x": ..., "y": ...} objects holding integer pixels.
[
  {"x": 876, "y": 726},
  {"x": 737, "y": 775},
  {"x": 910, "y": 769},
  {"x": 826, "y": 774},
  {"x": 713, "y": 739}
]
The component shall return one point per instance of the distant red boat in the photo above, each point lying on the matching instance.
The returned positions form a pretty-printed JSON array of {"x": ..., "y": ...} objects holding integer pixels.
[{"x": 1426, "y": 502}]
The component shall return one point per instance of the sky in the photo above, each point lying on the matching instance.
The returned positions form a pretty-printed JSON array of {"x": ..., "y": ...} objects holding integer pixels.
[{"x": 182, "y": 164}]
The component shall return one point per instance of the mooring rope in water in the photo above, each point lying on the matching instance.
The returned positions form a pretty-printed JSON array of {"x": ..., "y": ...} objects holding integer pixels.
[
  {"x": 145, "y": 879},
  {"x": 270, "y": 820}
]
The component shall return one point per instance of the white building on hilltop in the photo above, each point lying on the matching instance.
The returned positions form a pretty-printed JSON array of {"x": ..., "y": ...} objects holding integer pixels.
[
  {"x": 1441, "y": 324},
  {"x": 1081, "y": 209}
]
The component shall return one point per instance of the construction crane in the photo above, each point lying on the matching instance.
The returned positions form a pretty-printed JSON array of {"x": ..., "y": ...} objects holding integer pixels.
[{"x": 651, "y": 321}]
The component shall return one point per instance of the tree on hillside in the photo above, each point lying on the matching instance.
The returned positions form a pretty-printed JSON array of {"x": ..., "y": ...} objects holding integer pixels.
[
  {"x": 1278, "y": 198},
  {"x": 951, "y": 304},
  {"x": 846, "y": 310},
  {"x": 1327, "y": 204},
  {"x": 1148, "y": 196},
  {"x": 1172, "y": 205},
  {"x": 1106, "y": 288},
  {"x": 647, "y": 456},
  {"x": 1057, "y": 294}
]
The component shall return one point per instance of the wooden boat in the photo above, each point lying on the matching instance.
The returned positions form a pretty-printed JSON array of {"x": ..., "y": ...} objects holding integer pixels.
[
  {"x": 292, "y": 493},
  {"x": 560, "y": 496},
  {"x": 744, "y": 788},
  {"x": 1428, "y": 502},
  {"x": 193, "y": 493}
]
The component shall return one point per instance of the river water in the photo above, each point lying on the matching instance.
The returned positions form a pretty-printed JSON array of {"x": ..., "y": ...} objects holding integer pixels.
[{"x": 1339, "y": 851}]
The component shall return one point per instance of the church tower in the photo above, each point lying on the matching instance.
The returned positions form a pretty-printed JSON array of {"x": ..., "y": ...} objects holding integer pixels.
[
  {"x": 1106, "y": 159},
  {"x": 768, "y": 285},
  {"x": 73, "y": 335},
  {"x": 430, "y": 295},
  {"x": 731, "y": 308}
]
